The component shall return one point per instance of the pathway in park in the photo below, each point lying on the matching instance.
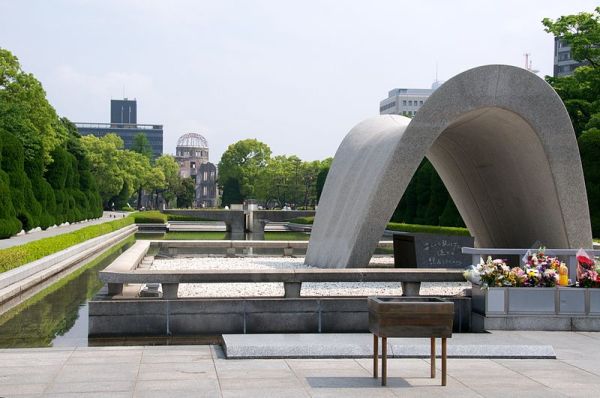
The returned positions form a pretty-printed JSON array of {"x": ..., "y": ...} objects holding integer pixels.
[
  {"x": 202, "y": 371},
  {"x": 22, "y": 239}
]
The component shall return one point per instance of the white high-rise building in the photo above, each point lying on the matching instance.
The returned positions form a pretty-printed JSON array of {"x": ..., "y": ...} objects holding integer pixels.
[{"x": 406, "y": 101}]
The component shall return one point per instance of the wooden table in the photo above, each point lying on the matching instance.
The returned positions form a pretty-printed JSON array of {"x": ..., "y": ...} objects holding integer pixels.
[{"x": 409, "y": 317}]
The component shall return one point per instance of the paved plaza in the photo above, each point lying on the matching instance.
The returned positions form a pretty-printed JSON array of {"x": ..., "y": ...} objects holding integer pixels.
[{"x": 202, "y": 371}]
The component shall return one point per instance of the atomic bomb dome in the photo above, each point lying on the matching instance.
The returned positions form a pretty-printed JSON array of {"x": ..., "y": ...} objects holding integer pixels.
[
  {"x": 191, "y": 153},
  {"x": 192, "y": 140}
]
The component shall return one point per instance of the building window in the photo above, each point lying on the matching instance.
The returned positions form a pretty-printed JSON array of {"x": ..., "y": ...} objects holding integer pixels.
[
  {"x": 205, "y": 176},
  {"x": 204, "y": 191},
  {"x": 193, "y": 165},
  {"x": 420, "y": 102},
  {"x": 404, "y": 102}
]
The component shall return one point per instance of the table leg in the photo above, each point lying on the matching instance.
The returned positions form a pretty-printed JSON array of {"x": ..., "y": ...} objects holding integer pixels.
[
  {"x": 433, "y": 357},
  {"x": 443, "y": 361},
  {"x": 375, "y": 355},
  {"x": 383, "y": 361}
]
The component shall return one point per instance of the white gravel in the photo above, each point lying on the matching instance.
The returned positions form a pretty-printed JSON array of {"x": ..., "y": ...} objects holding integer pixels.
[{"x": 276, "y": 289}]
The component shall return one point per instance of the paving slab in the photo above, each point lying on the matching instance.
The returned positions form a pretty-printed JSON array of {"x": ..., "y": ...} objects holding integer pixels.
[
  {"x": 203, "y": 371},
  {"x": 360, "y": 345}
]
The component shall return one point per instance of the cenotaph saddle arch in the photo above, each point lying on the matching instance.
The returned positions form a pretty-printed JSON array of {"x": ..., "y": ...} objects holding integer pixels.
[{"x": 503, "y": 144}]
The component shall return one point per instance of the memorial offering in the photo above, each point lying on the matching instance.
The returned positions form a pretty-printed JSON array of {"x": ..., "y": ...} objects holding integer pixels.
[
  {"x": 539, "y": 270},
  {"x": 588, "y": 270}
]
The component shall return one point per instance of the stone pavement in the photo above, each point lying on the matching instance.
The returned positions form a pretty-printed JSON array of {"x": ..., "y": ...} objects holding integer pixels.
[
  {"x": 202, "y": 371},
  {"x": 22, "y": 239}
]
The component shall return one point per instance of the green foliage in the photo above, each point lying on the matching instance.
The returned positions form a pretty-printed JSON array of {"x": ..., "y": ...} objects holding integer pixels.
[
  {"x": 580, "y": 93},
  {"x": 303, "y": 220},
  {"x": 141, "y": 145},
  {"x": 581, "y": 31},
  {"x": 177, "y": 217},
  {"x": 16, "y": 256},
  {"x": 43, "y": 170},
  {"x": 244, "y": 161},
  {"x": 231, "y": 193},
  {"x": 426, "y": 201},
  {"x": 170, "y": 169},
  {"x": 428, "y": 229},
  {"x": 149, "y": 217},
  {"x": 186, "y": 193},
  {"x": 589, "y": 148}
]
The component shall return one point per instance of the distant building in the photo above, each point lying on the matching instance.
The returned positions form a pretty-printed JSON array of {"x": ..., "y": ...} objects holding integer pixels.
[
  {"x": 191, "y": 153},
  {"x": 406, "y": 101},
  {"x": 564, "y": 64},
  {"x": 123, "y": 122}
]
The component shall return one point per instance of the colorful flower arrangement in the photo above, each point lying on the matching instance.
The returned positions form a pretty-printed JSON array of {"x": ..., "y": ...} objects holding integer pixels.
[
  {"x": 538, "y": 270},
  {"x": 588, "y": 270}
]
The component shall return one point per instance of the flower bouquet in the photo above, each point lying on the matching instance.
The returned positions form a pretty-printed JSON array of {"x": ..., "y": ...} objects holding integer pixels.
[
  {"x": 588, "y": 270},
  {"x": 539, "y": 270}
]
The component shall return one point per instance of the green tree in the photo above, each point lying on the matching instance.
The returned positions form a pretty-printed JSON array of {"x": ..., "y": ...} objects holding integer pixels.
[
  {"x": 170, "y": 169},
  {"x": 142, "y": 145},
  {"x": 186, "y": 193},
  {"x": 581, "y": 94},
  {"x": 25, "y": 112},
  {"x": 244, "y": 162}
]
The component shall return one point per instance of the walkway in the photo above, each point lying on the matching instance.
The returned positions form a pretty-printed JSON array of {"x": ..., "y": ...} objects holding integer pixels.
[
  {"x": 201, "y": 371},
  {"x": 22, "y": 239}
]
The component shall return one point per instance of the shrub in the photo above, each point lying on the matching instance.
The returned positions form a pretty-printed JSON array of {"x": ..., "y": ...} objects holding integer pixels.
[
  {"x": 177, "y": 217},
  {"x": 127, "y": 208},
  {"x": 303, "y": 220},
  {"x": 428, "y": 229},
  {"x": 149, "y": 217},
  {"x": 18, "y": 255}
]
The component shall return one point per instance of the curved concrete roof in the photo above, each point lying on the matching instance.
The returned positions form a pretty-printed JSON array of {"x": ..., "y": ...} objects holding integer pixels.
[{"x": 503, "y": 144}]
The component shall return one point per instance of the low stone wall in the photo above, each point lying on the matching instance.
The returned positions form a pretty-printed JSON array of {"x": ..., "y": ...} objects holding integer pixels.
[{"x": 108, "y": 317}]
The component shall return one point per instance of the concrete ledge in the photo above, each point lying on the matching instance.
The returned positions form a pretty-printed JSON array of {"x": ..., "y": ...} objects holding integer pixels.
[
  {"x": 116, "y": 317},
  {"x": 18, "y": 280},
  {"x": 349, "y": 345},
  {"x": 536, "y": 322}
]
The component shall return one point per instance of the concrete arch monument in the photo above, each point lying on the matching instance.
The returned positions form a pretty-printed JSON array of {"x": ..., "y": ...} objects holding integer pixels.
[{"x": 503, "y": 144}]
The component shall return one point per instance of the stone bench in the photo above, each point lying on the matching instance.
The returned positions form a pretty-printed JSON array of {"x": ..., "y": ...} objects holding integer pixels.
[{"x": 292, "y": 278}]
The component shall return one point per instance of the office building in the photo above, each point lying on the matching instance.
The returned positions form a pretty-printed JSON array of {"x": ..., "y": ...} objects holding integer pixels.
[
  {"x": 564, "y": 64},
  {"x": 123, "y": 122},
  {"x": 406, "y": 101},
  {"x": 191, "y": 153}
]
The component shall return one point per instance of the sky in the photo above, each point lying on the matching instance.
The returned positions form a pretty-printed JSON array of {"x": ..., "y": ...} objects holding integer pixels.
[{"x": 296, "y": 75}]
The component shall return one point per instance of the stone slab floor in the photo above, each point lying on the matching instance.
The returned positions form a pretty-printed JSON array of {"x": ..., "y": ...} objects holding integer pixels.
[{"x": 202, "y": 371}]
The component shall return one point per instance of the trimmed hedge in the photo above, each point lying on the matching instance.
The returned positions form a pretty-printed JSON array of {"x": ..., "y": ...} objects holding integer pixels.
[
  {"x": 177, "y": 217},
  {"x": 16, "y": 256},
  {"x": 149, "y": 217},
  {"x": 303, "y": 220},
  {"x": 428, "y": 229},
  {"x": 414, "y": 228}
]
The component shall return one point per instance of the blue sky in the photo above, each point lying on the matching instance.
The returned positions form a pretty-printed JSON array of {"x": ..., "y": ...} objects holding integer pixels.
[{"x": 295, "y": 75}]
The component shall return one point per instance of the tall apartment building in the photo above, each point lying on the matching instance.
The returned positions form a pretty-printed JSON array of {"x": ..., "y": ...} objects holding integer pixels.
[
  {"x": 123, "y": 122},
  {"x": 406, "y": 101},
  {"x": 564, "y": 64}
]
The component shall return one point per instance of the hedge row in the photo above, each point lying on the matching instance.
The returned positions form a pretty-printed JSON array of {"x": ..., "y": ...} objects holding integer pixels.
[
  {"x": 428, "y": 229},
  {"x": 177, "y": 217},
  {"x": 149, "y": 217},
  {"x": 303, "y": 220},
  {"x": 31, "y": 197},
  {"x": 414, "y": 228},
  {"x": 16, "y": 256}
]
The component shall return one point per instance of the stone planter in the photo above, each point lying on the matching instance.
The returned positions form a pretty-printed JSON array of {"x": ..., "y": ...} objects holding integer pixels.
[{"x": 507, "y": 301}]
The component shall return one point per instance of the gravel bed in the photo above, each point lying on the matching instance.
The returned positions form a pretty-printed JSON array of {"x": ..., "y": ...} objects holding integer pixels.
[{"x": 276, "y": 289}]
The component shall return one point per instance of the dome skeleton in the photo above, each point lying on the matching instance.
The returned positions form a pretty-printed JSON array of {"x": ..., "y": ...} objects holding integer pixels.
[{"x": 192, "y": 140}]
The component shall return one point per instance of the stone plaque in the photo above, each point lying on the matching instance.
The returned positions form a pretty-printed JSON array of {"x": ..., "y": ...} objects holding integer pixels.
[{"x": 431, "y": 251}]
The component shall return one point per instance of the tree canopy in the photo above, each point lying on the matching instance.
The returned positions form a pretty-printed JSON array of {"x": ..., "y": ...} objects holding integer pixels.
[{"x": 580, "y": 93}]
